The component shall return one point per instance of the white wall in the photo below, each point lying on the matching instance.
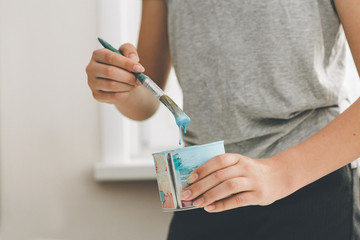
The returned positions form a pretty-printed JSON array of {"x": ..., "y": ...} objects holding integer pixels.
[{"x": 49, "y": 132}]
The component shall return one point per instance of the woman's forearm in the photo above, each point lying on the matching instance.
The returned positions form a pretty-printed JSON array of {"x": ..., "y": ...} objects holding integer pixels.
[{"x": 332, "y": 147}]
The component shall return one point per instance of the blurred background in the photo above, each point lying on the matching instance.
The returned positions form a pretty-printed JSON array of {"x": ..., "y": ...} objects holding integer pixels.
[{"x": 51, "y": 128}]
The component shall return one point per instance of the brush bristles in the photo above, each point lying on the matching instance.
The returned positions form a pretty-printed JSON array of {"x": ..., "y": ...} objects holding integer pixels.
[
  {"x": 182, "y": 120},
  {"x": 170, "y": 104}
]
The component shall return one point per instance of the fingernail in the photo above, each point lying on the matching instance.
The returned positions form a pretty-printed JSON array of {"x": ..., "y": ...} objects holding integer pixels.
[
  {"x": 137, "y": 82},
  {"x": 185, "y": 194},
  {"x": 209, "y": 207},
  {"x": 198, "y": 202},
  {"x": 138, "y": 68},
  {"x": 193, "y": 177},
  {"x": 134, "y": 57}
]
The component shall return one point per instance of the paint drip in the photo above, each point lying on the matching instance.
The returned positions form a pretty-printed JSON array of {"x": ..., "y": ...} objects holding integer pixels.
[{"x": 182, "y": 120}]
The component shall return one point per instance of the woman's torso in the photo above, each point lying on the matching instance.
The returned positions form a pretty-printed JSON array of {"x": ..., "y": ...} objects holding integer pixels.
[{"x": 260, "y": 74}]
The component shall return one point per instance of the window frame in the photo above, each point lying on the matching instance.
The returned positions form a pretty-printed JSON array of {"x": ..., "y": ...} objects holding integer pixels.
[{"x": 126, "y": 145}]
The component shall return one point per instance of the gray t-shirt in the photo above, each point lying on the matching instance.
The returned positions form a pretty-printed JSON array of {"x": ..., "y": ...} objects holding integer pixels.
[{"x": 261, "y": 75}]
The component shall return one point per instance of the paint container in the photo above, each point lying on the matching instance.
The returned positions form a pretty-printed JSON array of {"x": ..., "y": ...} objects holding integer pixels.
[{"x": 173, "y": 168}]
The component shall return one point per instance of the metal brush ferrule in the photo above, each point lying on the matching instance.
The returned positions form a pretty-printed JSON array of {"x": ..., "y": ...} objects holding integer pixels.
[{"x": 154, "y": 89}]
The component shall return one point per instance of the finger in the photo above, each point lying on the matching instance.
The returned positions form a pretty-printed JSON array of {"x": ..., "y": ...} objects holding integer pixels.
[
  {"x": 223, "y": 190},
  {"x": 114, "y": 59},
  {"x": 130, "y": 51},
  {"x": 211, "y": 181},
  {"x": 114, "y": 73},
  {"x": 239, "y": 200},
  {"x": 107, "y": 85},
  {"x": 214, "y": 164},
  {"x": 110, "y": 97}
]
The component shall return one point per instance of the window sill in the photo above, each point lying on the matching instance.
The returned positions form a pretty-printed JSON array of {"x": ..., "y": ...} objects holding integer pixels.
[{"x": 137, "y": 170}]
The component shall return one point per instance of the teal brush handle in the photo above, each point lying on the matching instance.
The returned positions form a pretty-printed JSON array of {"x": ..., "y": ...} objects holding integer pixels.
[{"x": 106, "y": 45}]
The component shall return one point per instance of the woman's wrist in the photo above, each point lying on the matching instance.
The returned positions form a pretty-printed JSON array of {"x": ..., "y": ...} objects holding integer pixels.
[
  {"x": 295, "y": 174},
  {"x": 334, "y": 146}
]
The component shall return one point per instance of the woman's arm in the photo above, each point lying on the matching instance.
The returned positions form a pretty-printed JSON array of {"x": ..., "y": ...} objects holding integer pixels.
[
  {"x": 339, "y": 142},
  {"x": 154, "y": 54},
  {"x": 263, "y": 181},
  {"x": 349, "y": 13}
]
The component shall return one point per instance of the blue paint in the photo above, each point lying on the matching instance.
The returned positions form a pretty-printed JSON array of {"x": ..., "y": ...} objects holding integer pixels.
[
  {"x": 162, "y": 197},
  {"x": 182, "y": 121}
]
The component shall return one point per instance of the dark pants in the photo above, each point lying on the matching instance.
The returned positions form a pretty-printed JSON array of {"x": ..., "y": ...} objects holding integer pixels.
[{"x": 327, "y": 209}]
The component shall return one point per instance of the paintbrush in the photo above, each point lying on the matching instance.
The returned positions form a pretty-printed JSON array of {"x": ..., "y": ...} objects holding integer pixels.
[{"x": 182, "y": 120}]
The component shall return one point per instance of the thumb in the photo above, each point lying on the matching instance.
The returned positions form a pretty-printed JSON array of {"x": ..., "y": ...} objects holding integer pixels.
[{"x": 130, "y": 51}]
